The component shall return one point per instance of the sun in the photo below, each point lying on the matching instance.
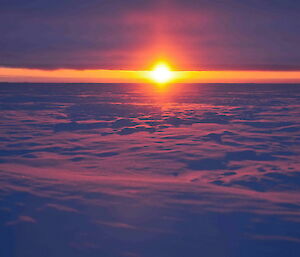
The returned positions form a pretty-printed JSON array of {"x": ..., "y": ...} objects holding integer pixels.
[{"x": 161, "y": 73}]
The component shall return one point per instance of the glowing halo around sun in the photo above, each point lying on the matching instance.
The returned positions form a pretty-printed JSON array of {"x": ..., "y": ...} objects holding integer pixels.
[{"x": 161, "y": 73}]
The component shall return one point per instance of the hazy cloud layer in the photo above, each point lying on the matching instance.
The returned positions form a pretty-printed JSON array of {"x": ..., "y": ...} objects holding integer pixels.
[{"x": 131, "y": 34}]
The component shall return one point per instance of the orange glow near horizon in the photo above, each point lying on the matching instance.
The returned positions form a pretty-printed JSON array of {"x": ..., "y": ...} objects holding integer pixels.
[{"x": 159, "y": 75}]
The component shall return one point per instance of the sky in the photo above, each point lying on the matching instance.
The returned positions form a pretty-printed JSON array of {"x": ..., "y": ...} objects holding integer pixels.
[{"x": 202, "y": 35}]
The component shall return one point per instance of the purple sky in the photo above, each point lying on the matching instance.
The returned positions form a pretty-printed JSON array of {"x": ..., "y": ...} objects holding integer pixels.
[{"x": 118, "y": 34}]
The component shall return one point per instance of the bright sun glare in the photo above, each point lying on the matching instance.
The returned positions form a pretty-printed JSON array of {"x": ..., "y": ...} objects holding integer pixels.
[{"x": 161, "y": 73}]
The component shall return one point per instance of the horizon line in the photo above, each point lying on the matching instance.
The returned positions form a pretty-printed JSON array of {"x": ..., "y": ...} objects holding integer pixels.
[{"x": 29, "y": 75}]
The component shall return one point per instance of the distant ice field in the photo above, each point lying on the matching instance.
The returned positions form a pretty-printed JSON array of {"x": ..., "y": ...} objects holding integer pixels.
[{"x": 147, "y": 170}]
